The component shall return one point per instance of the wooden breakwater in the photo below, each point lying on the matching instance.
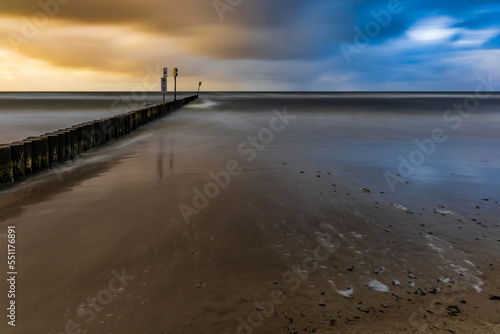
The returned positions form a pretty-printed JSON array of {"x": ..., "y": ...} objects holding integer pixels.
[{"x": 33, "y": 154}]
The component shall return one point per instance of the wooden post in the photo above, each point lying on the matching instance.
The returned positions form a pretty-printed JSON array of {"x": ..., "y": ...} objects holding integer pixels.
[
  {"x": 18, "y": 159},
  {"x": 53, "y": 143},
  {"x": 44, "y": 152},
  {"x": 6, "y": 167},
  {"x": 28, "y": 156},
  {"x": 36, "y": 153}
]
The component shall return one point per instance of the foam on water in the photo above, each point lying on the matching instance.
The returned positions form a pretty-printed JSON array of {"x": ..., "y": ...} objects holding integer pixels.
[
  {"x": 346, "y": 293},
  {"x": 357, "y": 235},
  {"x": 400, "y": 207},
  {"x": 443, "y": 212},
  {"x": 203, "y": 105},
  {"x": 378, "y": 286}
]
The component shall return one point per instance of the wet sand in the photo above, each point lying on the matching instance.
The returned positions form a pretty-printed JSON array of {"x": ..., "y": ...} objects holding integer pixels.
[{"x": 307, "y": 237}]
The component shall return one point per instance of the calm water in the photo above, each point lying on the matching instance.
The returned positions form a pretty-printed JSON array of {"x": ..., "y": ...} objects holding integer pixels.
[
  {"x": 361, "y": 129},
  {"x": 29, "y": 114}
]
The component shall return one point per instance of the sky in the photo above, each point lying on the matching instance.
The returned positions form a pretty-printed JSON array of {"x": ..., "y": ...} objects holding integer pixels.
[{"x": 250, "y": 45}]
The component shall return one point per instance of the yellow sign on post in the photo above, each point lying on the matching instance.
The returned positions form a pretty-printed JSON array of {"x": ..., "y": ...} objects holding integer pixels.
[{"x": 176, "y": 73}]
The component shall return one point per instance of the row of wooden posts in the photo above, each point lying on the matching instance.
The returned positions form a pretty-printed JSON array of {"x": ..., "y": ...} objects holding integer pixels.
[{"x": 22, "y": 158}]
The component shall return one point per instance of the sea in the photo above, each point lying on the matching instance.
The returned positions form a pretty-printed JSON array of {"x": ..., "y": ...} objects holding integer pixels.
[
  {"x": 422, "y": 135},
  {"x": 24, "y": 114}
]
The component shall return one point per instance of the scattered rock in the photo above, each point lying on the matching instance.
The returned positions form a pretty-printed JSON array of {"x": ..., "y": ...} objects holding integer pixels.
[
  {"x": 454, "y": 310},
  {"x": 378, "y": 286},
  {"x": 365, "y": 190},
  {"x": 397, "y": 296},
  {"x": 346, "y": 293},
  {"x": 446, "y": 279},
  {"x": 435, "y": 290},
  {"x": 395, "y": 282},
  {"x": 379, "y": 271}
]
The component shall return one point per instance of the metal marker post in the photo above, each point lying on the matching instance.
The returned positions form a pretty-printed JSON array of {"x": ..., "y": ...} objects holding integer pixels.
[
  {"x": 164, "y": 85},
  {"x": 163, "y": 89},
  {"x": 199, "y": 85},
  {"x": 176, "y": 73}
]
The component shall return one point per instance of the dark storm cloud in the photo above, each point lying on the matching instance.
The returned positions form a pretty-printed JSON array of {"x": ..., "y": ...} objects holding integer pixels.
[{"x": 423, "y": 43}]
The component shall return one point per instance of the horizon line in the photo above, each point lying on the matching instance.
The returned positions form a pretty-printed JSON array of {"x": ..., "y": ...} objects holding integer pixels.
[{"x": 254, "y": 91}]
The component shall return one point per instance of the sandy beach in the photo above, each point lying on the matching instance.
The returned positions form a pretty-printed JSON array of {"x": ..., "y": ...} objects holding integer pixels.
[{"x": 267, "y": 214}]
